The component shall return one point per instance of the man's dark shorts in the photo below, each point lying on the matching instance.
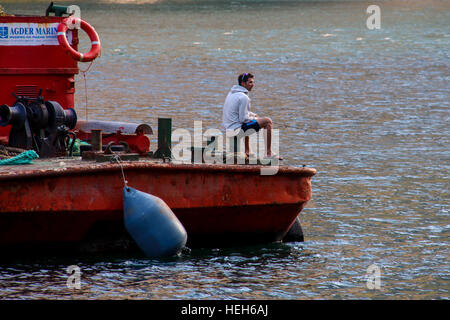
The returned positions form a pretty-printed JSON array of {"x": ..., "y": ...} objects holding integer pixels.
[{"x": 253, "y": 124}]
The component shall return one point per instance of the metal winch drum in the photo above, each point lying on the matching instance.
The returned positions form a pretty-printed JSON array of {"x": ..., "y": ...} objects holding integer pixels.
[{"x": 40, "y": 125}]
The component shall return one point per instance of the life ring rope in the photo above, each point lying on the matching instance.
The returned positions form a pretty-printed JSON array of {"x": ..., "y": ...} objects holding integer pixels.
[{"x": 86, "y": 27}]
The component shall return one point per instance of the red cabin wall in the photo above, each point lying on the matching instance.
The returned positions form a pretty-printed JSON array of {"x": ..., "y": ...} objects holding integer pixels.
[{"x": 25, "y": 69}]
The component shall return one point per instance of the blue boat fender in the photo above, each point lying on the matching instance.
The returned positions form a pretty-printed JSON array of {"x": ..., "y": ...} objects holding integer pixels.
[{"x": 152, "y": 224}]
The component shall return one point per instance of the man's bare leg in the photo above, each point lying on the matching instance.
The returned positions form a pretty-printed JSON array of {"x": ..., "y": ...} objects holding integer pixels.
[
  {"x": 247, "y": 146},
  {"x": 266, "y": 123}
]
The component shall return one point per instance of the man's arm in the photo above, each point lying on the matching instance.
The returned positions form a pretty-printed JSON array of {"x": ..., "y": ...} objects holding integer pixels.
[
  {"x": 243, "y": 110},
  {"x": 245, "y": 115}
]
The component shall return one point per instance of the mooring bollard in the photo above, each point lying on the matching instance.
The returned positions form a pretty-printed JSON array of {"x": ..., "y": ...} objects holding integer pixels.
[
  {"x": 164, "y": 139},
  {"x": 96, "y": 140}
]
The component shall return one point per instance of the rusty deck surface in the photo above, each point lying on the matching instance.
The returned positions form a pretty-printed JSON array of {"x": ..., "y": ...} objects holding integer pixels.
[{"x": 67, "y": 166}]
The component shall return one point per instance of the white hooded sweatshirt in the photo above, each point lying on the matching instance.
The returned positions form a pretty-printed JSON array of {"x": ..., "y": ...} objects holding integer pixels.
[{"x": 236, "y": 109}]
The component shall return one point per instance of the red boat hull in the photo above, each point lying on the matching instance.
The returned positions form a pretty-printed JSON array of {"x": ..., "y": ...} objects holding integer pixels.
[{"x": 79, "y": 204}]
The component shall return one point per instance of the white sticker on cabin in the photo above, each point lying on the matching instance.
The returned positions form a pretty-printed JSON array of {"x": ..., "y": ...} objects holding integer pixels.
[{"x": 30, "y": 34}]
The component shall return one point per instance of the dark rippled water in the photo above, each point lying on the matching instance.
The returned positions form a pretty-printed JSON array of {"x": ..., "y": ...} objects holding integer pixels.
[{"x": 369, "y": 109}]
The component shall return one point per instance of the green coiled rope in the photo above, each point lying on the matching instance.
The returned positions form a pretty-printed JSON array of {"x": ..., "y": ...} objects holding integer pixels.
[{"x": 26, "y": 157}]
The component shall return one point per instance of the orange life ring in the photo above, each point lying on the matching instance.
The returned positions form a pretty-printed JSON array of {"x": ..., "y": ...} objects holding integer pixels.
[{"x": 86, "y": 27}]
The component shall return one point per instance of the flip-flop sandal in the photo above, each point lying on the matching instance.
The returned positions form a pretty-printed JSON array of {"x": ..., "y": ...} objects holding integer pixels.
[{"x": 274, "y": 156}]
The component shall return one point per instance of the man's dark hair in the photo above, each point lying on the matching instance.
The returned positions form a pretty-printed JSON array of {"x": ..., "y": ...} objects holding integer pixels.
[{"x": 244, "y": 77}]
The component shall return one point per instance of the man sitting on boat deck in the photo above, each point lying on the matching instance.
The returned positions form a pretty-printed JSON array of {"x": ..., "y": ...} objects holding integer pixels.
[{"x": 237, "y": 114}]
